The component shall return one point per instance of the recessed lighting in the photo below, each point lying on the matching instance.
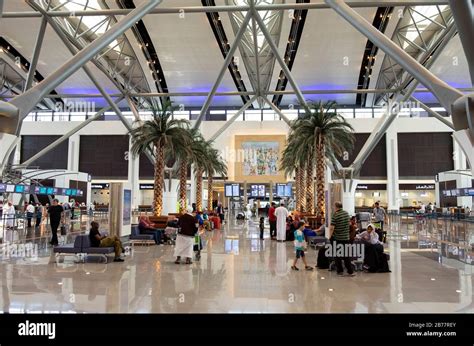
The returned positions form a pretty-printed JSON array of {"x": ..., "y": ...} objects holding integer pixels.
[
  {"x": 88, "y": 273},
  {"x": 458, "y": 291},
  {"x": 322, "y": 278},
  {"x": 433, "y": 279},
  {"x": 60, "y": 283},
  {"x": 330, "y": 290}
]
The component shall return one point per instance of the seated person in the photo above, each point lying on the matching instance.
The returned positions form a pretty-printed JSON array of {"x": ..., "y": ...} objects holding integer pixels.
[
  {"x": 98, "y": 240},
  {"x": 374, "y": 257},
  {"x": 353, "y": 229},
  {"x": 145, "y": 226},
  {"x": 200, "y": 218}
]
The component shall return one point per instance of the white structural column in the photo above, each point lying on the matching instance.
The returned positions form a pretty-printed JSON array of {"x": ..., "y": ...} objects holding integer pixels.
[
  {"x": 393, "y": 193},
  {"x": 348, "y": 195},
  {"x": 459, "y": 157},
  {"x": 134, "y": 176},
  {"x": 17, "y": 155},
  {"x": 73, "y": 153}
]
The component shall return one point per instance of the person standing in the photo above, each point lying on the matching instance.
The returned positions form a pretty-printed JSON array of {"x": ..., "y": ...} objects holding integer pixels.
[
  {"x": 9, "y": 215},
  {"x": 55, "y": 212},
  {"x": 340, "y": 234},
  {"x": 272, "y": 221},
  {"x": 185, "y": 238},
  {"x": 262, "y": 226},
  {"x": 220, "y": 211},
  {"x": 39, "y": 214},
  {"x": 1, "y": 209},
  {"x": 30, "y": 211},
  {"x": 281, "y": 214},
  {"x": 379, "y": 215}
]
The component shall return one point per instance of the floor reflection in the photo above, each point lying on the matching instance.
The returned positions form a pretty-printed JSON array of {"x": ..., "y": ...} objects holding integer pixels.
[{"x": 237, "y": 272}]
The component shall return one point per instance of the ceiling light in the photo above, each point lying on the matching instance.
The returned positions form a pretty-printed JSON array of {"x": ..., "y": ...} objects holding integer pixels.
[
  {"x": 322, "y": 278},
  {"x": 330, "y": 290},
  {"x": 433, "y": 279},
  {"x": 458, "y": 291}
]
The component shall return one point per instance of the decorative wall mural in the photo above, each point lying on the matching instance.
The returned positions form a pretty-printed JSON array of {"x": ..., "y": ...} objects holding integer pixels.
[{"x": 260, "y": 158}]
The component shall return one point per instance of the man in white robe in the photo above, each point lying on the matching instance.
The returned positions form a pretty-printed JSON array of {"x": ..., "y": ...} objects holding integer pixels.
[
  {"x": 281, "y": 214},
  {"x": 9, "y": 215},
  {"x": 185, "y": 239}
]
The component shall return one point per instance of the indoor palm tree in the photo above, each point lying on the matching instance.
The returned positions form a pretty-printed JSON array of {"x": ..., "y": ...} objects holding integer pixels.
[
  {"x": 291, "y": 163},
  {"x": 215, "y": 166},
  {"x": 201, "y": 165},
  {"x": 328, "y": 134},
  {"x": 166, "y": 136},
  {"x": 192, "y": 153}
]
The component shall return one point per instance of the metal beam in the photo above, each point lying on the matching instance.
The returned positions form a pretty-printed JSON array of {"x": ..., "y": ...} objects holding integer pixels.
[
  {"x": 36, "y": 54},
  {"x": 400, "y": 97},
  {"x": 433, "y": 113},
  {"x": 228, "y": 58},
  {"x": 255, "y": 48},
  {"x": 231, "y": 120},
  {"x": 197, "y": 9},
  {"x": 27, "y": 101},
  {"x": 280, "y": 60},
  {"x": 66, "y": 136},
  {"x": 463, "y": 13},
  {"x": 92, "y": 77},
  {"x": 277, "y": 111},
  {"x": 442, "y": 90}
]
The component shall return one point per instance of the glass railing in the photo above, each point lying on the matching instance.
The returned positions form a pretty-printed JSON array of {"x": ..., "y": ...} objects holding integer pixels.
[{"x": 447, "y": 237}]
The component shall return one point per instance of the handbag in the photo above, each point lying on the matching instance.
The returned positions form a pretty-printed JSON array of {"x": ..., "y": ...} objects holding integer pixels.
[{"x": 63, "y": 230}]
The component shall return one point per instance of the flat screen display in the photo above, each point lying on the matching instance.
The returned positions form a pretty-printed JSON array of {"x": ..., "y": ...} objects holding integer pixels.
[
  {"x": 80, "y": 193},
  {"x": 10, "y": 188},
  {"x": 257, "y": 190},
  {"x": 73, "y": 192},
  {"x": 3, "y": 188},
  {"x": 284, "y": 190},
  {"x": 43, "y": 190},
  {"x": 232, "y": 190},
  {"x": 50, "y": 190}
]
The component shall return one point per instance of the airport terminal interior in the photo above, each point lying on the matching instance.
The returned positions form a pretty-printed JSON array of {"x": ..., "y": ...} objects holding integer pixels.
[{"x": 213, "y": 156}]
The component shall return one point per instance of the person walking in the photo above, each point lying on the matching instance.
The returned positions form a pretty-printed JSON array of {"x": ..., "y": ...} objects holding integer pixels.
[
  {"x": 281, "y": 214},
  {"x": 55, "y": 212},
  {"x": 379, "y": 215},
  {"x": 185, "y": 239},
  {"x": 340, "y": 233},
  {"x": 272, "y": 221},
  {"x": 30, "y": 211},
  {"x": 220, "y": 211},
  {"x": 300, "y": 245}
]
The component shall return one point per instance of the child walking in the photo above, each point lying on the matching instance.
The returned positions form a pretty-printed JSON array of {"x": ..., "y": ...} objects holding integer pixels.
[
  {"x": 262, "y": 226},
  {"x": 299, "y": 247}
]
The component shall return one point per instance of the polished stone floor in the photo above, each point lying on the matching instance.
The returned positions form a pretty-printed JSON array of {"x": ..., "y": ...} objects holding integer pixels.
[{"x": 237, "y": 273}]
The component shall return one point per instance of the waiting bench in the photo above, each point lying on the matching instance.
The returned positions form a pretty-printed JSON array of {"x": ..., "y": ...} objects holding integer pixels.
[{"x": 82, "y": 245}]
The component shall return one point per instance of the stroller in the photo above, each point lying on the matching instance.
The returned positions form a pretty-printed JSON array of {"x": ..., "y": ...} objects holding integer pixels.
[{"x": 171, "y": 234}]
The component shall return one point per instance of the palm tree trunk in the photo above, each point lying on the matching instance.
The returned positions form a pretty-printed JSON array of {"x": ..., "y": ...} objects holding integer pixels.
[
  {"x": 302, "y": 196},
  {"x": 309, "y": 184},
  {"x": 297, "y": 189},
  {"x": 183, "y": 177},
  {"x": 320, "y": 178},
  {"x": 209, "y": 192},
  {"x": 199, "y": 189},
  {"x": 159, "y": 179}
]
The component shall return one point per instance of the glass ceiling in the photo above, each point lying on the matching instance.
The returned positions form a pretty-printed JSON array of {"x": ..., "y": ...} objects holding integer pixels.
[
  {"x": 97, "y": 24},
  {"x": 422, "y": 16}
]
